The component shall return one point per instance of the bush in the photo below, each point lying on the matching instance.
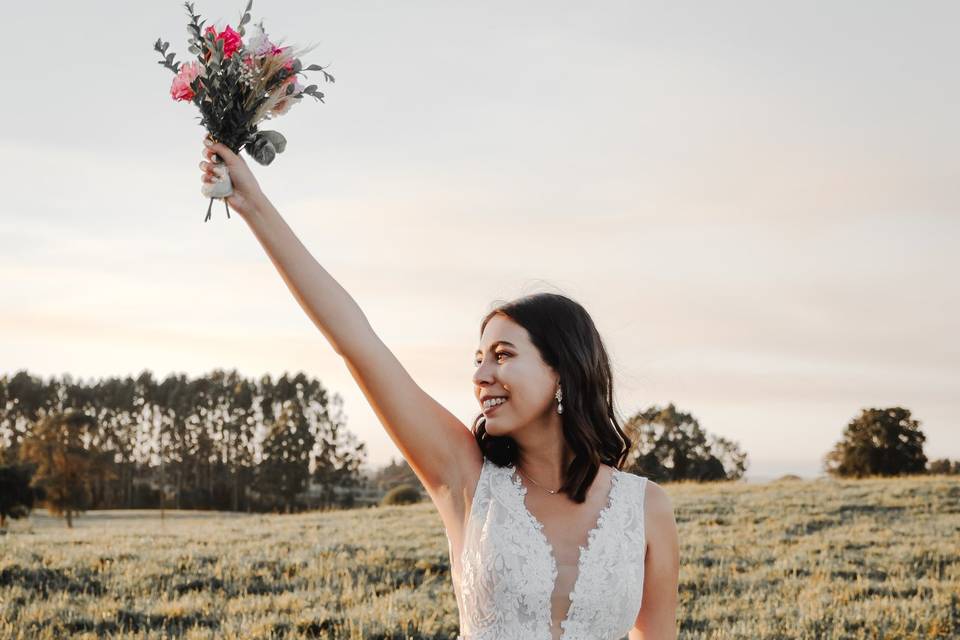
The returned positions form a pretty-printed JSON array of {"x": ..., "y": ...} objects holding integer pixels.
[
  {"x": 790, "y": 477},
  {"x": 945, "y": 466},
  {"x": 401, "y": 494}
]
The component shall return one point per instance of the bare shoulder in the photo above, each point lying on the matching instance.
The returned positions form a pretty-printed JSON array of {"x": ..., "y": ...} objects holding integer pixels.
[
  {"x": 659, "y": 520},
  {"x": 658, "y": 507}
]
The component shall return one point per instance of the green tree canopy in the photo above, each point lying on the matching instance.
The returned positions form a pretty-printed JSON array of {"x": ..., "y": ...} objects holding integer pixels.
[
  {"x": 671, "y": 445},
  {"x": 62, "y": 447},
  {"x": 16, "y": 495},
  {"x": 885, "y": 442}
]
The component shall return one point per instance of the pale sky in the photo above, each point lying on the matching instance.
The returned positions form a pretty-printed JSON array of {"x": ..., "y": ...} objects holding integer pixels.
[{"x": 757, "y": 202}]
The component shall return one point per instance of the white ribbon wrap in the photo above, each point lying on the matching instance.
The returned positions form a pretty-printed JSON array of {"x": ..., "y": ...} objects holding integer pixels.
[{"x": 222, "y": 186}]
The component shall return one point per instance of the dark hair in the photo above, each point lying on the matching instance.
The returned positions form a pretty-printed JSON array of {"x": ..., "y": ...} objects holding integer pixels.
[{"x": 568, "y": 341}]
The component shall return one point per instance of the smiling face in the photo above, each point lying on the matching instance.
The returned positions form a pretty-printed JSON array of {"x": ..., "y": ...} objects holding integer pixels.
[{"x": 510, "y": 366}]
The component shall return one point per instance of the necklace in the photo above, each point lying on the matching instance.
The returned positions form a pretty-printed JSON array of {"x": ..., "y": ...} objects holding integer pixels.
[{"x": 551, "y": 492}]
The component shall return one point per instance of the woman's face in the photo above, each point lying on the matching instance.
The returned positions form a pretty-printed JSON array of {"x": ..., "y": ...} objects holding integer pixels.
[{"x": 510, "y": 366}]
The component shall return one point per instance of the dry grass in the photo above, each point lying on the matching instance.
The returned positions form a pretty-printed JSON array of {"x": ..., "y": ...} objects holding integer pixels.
[{"x": 872, "y": 558}]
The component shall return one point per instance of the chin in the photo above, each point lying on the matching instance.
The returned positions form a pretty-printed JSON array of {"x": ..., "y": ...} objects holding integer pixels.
[
  {"x": 494, "y": 428},
  {"x": 500, "y": 428}
]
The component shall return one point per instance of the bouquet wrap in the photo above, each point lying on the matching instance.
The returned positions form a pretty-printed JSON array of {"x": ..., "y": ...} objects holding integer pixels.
[{"x": 222, "y": 186}]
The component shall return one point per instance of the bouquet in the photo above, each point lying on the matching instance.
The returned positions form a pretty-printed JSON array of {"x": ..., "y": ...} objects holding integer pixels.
[{"x": 236, "y": 85}]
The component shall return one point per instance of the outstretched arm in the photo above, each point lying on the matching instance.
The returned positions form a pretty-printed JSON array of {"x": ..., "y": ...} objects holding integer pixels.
[{"x": 438, "y": 446}]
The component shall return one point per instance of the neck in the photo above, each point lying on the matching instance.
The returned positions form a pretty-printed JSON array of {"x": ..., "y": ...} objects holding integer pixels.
[{"x": 543, "y": 453}]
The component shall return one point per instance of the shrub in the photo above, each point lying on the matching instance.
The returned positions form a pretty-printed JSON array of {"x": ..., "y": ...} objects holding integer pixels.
[{"x": 401, "y": 494}]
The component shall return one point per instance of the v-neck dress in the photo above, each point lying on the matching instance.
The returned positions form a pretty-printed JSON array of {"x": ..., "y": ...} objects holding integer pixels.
[{"x": 506, "y": 574}]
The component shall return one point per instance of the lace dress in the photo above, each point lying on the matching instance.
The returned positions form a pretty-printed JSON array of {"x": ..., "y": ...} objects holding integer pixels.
[{"x": 506, "y": 574}]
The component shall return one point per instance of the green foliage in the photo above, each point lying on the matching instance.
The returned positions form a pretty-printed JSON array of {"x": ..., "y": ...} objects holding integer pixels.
[
  {"x": 671, "y": 446},
  {"x": 199, "y": 442},
  {"x": 244, "y": 18},
  {"x": 167, "y": 59},
  {"x": 401, "y": 494},
  {"x": 284, "y": 469},
  {"x": 267, "y": 144},
  {"x": 396, "y": 472},
  {"x": 944, "y": 466},
  {"x": 883, "y": 442},
  {"x": 62, "y": 448},
  {"x": 17, "y": 497}
]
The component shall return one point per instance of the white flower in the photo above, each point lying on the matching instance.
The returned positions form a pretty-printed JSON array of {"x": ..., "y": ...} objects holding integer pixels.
[{"x": 259, "y": 43}]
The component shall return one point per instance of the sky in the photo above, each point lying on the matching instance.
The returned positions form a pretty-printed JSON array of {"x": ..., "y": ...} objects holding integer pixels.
[{"x": 757, "y": 202}]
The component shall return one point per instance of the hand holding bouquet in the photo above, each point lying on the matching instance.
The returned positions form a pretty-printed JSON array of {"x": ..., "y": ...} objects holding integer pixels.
[{"x": 236, "y": 85}]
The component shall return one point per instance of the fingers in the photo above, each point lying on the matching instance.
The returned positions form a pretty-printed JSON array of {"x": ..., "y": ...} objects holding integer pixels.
[
  {"x": 207, "y": 175},
  {"x": 218, "y": 148},
  {"x": 215, "y": 169}
]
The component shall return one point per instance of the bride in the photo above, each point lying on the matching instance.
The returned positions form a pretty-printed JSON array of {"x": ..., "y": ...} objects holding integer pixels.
[{"x": 548, "y": 539}]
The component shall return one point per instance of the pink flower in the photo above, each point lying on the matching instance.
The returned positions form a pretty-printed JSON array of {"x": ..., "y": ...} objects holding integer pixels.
[
  {"x": 279, "y": 51},
  {"x": 231, "y": 40},
  {"x": 188, "y": 72},
  {"x": 284, "y": 105}
]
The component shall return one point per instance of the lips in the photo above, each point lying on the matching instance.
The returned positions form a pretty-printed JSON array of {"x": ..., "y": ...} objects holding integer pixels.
[{"x": 489, "y": 410}]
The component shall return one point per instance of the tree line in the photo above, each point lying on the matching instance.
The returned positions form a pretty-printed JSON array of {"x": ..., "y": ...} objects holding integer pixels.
[
  {"x": 225, "y": 442},
  {"x": 219, "y": 441}
]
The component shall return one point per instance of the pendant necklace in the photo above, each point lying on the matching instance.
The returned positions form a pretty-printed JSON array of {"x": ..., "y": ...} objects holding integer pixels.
[{"x": 537, "y": 483}]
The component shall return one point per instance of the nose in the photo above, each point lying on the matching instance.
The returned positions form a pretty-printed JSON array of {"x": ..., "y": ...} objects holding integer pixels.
[{"x": 483, "y": 376}]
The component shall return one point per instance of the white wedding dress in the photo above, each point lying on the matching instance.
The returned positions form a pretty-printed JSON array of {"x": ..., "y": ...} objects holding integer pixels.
[{"x": 506, "y": 575}]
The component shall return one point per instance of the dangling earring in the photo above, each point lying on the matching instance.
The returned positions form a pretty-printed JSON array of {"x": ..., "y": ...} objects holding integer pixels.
[{"x": 559, "y": 397}]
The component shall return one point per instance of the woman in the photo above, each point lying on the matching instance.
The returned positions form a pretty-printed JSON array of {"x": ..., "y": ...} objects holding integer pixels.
[{"x": 548, "y": 539}]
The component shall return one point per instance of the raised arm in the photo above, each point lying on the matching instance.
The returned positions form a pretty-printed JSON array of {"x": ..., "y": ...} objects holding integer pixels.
[{"x": 438, "y": 446}]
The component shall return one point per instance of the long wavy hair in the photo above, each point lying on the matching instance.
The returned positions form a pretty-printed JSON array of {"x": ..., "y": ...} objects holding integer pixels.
[{"x": 568, "y": 341}]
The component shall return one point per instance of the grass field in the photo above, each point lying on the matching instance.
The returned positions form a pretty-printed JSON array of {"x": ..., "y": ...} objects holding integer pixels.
[{"x": 874, "y": 558}]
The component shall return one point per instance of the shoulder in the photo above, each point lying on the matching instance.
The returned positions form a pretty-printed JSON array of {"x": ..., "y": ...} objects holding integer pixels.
[
  {"x": 657, "y": 504},
  {"x": 659, "y": 519},
  {"x": 657, "y": 501}
]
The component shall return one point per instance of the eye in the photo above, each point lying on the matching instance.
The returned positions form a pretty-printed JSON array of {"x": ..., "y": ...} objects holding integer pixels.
[{"x": 476, "y": 363}]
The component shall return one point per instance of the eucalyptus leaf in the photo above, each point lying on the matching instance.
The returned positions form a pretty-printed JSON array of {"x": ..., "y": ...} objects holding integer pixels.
[
  {"x": 263, "y": 150},
  {"x": 276, "y": 139}
]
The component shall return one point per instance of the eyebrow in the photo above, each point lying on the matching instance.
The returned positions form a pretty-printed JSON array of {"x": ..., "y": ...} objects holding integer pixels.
[{"x": 509, "y": 344}]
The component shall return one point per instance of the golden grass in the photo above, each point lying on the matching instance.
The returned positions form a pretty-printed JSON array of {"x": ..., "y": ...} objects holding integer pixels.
[{"x": 875, "y": 558}]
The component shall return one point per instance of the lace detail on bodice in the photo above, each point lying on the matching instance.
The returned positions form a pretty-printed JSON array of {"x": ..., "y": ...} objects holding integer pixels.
[{"x": 508, "y": 569}]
